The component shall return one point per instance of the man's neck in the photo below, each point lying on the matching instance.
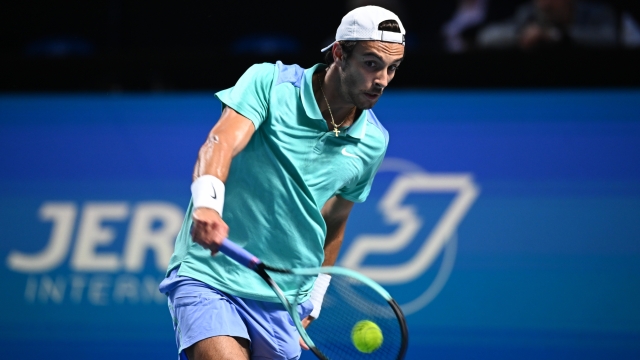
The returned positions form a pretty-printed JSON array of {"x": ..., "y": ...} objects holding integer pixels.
[{"x": 344, "y": 112}]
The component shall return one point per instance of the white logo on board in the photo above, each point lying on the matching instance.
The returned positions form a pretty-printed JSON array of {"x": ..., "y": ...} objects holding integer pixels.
[
  {"x": 412, "y": 179},
  {"x": 99, "y": 276}
]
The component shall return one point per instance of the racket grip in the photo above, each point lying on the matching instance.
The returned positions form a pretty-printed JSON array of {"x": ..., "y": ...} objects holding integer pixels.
[{"x": 239, "y": 254}]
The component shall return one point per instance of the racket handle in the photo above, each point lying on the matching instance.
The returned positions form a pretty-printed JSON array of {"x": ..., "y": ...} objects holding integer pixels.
[{"x": 239, "y": 254}]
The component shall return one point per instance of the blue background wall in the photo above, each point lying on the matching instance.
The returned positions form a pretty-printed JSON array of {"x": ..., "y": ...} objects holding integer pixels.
[{"x": 543, "y": 263}]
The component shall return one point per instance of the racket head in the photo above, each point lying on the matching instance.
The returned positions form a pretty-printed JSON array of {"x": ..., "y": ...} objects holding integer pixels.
[{"x": 350, "y": 298}]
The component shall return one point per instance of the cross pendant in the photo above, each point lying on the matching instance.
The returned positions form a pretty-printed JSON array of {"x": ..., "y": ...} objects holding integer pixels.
[{"x": 335, "y": 130}]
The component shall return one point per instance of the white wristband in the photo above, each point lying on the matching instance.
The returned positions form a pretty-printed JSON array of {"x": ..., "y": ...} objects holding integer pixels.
[
  {"x": 208, "y": 191},
  {"x": 317, "y": 294}
]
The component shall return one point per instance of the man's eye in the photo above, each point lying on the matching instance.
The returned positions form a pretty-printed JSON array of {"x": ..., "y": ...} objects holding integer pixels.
[
  {"x": 393, "y": 68},
  {"x": 370, "y": 63}
]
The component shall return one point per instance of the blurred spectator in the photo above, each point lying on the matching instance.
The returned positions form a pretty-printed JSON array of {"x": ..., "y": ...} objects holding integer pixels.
[
  {"x": 554, "y": 23},
  {"x": 468, "y": 16},
  {"x": 459, "y": 33},
  {"x": 630, "y": 31}
]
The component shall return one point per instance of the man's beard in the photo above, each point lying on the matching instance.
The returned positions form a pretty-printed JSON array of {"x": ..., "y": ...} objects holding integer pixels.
[{"x": 349, "y": 89}]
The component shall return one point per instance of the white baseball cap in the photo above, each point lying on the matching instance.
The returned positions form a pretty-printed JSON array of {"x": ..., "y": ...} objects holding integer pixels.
[{"x": 362, "y": 24}]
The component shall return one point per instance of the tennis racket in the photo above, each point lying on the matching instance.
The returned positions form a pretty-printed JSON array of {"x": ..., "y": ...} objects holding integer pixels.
[{"x": 350, "y": 298}]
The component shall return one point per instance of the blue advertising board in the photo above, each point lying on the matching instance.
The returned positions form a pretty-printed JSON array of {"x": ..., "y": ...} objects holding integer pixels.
[{"x": 506, "y": 224}]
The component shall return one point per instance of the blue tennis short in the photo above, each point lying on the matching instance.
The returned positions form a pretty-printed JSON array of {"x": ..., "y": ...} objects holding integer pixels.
[{"x": 200, "y": 311}]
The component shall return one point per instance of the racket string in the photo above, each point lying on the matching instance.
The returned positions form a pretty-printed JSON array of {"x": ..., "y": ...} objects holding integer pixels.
[{"x": 347, "y": 302}]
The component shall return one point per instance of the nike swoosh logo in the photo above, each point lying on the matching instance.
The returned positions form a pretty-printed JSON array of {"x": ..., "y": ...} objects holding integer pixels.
[
  {"x": 214, "y": 196},
  {"x": 345, "y": 153}
]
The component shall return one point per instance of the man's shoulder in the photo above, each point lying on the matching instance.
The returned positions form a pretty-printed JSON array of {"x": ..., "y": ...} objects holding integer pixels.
[
  {"x": 377, "y": 129},
  {"x": 282, "y": 73},
  {"x": 292, "y": 74}
]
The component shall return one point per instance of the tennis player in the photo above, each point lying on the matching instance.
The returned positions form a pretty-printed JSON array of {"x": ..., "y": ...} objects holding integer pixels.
[{"x": 293, "y": 150}]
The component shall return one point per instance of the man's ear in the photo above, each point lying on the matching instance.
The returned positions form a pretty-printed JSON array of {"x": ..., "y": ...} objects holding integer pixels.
[{"x": 338, "y": 55}]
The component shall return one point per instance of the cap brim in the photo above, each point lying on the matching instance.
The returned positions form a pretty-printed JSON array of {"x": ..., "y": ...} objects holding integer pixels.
[{"x": 328, "y": 47}]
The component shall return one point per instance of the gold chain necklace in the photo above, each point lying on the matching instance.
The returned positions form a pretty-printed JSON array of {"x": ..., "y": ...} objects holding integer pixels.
[{"x": 335, "y": 127}]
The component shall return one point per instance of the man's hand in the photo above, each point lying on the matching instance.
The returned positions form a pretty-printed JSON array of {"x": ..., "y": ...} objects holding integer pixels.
[
  {"x": 305, "y": 322},
  {"x": 208, "y": 229}
]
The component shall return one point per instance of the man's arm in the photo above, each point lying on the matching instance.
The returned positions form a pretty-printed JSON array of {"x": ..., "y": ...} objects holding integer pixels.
[
  {"x": 335, "y": 213},
  {"x": 228, "y": 137}
]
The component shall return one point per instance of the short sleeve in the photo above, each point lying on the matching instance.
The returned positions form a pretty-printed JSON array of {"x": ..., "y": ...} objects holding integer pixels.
[
  {"x": 250, "y": 96},
  {"x": 359, "y": 190}
]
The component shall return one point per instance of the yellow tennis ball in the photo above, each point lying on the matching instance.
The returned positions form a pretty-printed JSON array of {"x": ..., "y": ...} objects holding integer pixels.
[{"x": 366, "y": 336}]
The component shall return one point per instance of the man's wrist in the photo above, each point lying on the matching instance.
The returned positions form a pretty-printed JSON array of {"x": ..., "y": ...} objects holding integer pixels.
[
  {"x": 317, "y": 293},
  {"x": 208, "y": 191}
]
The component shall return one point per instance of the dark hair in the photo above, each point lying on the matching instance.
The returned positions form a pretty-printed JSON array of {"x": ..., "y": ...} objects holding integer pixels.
[{"x": 348, "y": 45}]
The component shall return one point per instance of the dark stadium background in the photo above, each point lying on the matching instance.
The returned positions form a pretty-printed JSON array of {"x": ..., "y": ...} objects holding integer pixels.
[
  {"x": 195, "y": 45},
  {"x": 104, "y": 104}
]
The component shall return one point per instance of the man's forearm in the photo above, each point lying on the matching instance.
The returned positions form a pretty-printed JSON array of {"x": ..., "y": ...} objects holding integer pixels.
[
  {"x": 335, "y": 213},
  {"x": 333, "y": 242},
  {"x": 227, "y": 138},
  {"x": 214, "y": 158}
]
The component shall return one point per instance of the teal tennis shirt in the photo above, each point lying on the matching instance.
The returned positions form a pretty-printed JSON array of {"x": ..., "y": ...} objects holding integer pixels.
[{"x": 279, "y": 183}]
